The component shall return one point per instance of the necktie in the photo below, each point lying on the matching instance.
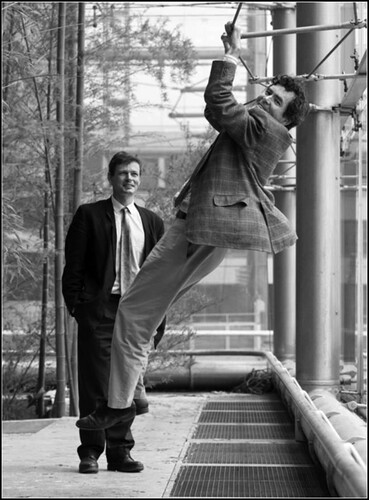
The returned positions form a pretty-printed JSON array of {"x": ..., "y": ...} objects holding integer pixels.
[{"x": 126, "y": 274}]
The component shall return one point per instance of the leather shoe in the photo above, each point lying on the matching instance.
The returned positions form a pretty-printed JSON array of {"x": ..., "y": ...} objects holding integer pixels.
[
  {"x": 142, "y": 406},
  {"x": 126, "y": 464},
  {"x": 105, "y": 417},
  {"x": 88, "y": 465}
]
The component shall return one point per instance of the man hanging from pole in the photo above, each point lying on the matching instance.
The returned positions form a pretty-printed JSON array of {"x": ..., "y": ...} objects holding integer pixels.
[{"x": 223, "y": 205}]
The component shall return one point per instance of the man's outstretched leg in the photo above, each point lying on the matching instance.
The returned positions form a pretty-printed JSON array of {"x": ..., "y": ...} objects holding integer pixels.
[{"x": 174, "y": 265}]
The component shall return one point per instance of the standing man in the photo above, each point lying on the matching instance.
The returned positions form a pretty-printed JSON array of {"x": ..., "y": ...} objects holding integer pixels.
[
  {"x": 105, "y": 246},
  {"x": 223, "y": 205}
]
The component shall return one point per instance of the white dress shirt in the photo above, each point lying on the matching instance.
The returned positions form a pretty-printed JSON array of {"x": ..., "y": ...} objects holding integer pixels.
[{"x": 134, "y": 220}]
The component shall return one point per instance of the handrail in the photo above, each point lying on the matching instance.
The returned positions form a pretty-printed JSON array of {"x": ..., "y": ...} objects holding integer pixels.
[{"x": 345, "y": 469}]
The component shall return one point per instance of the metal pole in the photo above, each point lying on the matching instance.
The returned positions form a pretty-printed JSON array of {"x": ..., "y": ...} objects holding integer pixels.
[
  {"x": 345, "y": 468},
  {"x": 348, "y": 202},
  {"x": 240, "y": 57},
  {"x": 359, "y": 347},
  {"x": 258, "y": 261},
  {"x": 306, "y": 29},
  {"x": 257, "y": 50},
  {"x": 59, "y": 222},
  {"x": 313, "y": 77},
  {"x": 236, "y": 15},
  {"x": 284, "y": 62},
  {"x": 127, "y": 84},
  {"x": 318, "y": 283}
]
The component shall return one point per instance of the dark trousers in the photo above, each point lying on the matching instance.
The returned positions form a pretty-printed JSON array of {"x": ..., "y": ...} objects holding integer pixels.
[{"x": 93, "y": 378}]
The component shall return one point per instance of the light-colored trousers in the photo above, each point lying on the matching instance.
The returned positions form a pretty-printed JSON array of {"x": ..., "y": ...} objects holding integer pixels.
[{"x": 171, "y": 269}]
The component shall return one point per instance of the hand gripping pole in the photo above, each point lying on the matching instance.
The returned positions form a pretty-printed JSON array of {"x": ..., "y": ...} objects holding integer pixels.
[{"x": 226, "y": 37}]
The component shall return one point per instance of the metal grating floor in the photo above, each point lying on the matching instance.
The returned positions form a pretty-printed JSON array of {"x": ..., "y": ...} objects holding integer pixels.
[
  {"x": 246, "y": 482},
  {"x": 243, "y": 431},
  {"x": 286, "y": 453},
  {"x": 245, "y": 417},
  {"x": 244, "y": 406},
  {"x": 244, "y": 446}
]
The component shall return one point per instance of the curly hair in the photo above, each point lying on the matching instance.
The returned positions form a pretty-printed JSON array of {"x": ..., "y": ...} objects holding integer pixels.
[{"x": 297, "y": 109}]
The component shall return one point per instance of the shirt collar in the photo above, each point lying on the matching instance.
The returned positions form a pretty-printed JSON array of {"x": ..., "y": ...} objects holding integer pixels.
[{"x": 118, "y": 206}]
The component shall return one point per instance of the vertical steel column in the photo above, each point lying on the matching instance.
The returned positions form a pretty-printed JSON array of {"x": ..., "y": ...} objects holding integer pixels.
[
  {"x": 318, "y": 334},
  {"x": 348, "y": 203},
  {"x": 284, "y": 62},
  {"x": 256, "y": 21}
]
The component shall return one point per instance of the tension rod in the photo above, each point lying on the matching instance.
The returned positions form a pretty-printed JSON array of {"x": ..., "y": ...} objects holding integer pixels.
[{"x": 329, "y": 53}]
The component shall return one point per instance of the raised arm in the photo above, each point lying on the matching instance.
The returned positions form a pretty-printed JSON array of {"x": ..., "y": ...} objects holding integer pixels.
[{"x": 231, "y": 52}]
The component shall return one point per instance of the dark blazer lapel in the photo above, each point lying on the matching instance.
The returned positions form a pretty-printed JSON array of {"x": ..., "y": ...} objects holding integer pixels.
[{"x": 109, "y": 220}]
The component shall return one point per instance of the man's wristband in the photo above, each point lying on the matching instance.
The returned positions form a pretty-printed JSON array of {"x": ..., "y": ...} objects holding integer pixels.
[{"x": 229, "y": 58}]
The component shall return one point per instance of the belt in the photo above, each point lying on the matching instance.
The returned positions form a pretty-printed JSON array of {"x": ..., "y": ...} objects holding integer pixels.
[{"x": 181, "y": 215}]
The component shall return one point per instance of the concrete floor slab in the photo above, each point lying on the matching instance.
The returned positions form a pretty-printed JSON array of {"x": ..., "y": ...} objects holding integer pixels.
[{"x": 43, "y": 463}]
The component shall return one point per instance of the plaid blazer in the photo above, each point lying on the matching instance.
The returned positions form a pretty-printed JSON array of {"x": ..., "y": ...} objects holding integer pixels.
[{"x": 229, "y": 205}]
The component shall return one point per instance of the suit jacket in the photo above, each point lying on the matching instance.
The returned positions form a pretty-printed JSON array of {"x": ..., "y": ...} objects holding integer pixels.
[
  {"x": 90, "y": 248},
  {"x": 229, "y": 205}
]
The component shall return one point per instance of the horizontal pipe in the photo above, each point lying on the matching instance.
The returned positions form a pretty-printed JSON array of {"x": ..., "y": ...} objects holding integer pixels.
[
  {"x": 348, "y": 425},
  {"x": 304, "y": 29},
  {"x": 312, "y": 108},
  {"x": 143, "y": 54},
  {"x": 205, "y": 375},
  {"x": 235, "y": 88},
  {"x": 346, "y": 471},
  {"x": 185, "y": 115},
  {"x": 315, "y": 77},
  {"x": 217, "y": 352}
]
